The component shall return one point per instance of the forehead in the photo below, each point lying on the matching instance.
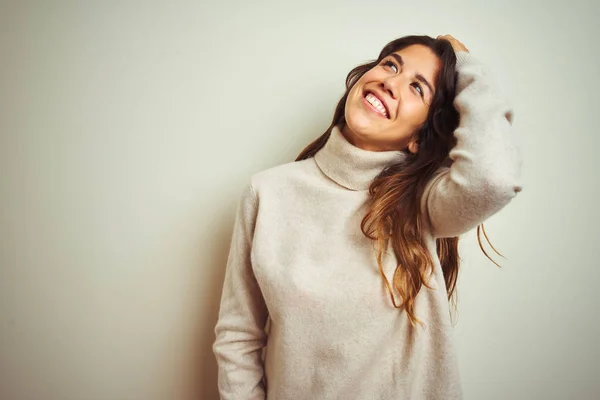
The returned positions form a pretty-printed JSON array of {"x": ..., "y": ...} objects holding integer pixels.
[{"x": 420, "y": 59}]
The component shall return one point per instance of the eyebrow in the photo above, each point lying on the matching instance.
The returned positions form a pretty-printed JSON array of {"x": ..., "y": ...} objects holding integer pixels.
[{"x": 419, "y": 77}]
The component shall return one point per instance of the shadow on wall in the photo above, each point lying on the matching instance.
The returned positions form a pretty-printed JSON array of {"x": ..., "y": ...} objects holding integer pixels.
[{"x": 215, "y": 273}]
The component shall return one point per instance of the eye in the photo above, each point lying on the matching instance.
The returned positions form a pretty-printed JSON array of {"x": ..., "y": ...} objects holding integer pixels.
[
  {"x": 422, "y": 93},
  {"x": 390, "y": 63}
]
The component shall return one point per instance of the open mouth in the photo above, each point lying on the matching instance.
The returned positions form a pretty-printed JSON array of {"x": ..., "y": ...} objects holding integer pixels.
[{"x": 376, "y": 103}]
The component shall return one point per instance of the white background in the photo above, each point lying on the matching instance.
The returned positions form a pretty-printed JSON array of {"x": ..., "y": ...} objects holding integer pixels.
[{"x": 128, "y": 130}]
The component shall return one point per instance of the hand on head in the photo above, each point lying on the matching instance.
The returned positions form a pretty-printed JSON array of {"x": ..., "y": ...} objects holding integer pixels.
[{"x": 456, "y": 44}]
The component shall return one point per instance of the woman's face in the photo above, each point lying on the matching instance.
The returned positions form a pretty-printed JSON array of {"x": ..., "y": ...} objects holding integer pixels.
[{"x": 390, "y": 102}]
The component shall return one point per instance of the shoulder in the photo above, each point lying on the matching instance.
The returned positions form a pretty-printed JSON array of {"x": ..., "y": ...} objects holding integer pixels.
[
  {"x": 282, "y": 175},
  {"x": 275, "y": 186}
]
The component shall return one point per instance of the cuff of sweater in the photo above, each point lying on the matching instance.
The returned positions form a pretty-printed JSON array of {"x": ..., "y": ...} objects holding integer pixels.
[{"x": 462, "y": 57}]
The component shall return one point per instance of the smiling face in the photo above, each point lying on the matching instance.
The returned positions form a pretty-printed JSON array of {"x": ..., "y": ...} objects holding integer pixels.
[{"x": 390, "y": 102}]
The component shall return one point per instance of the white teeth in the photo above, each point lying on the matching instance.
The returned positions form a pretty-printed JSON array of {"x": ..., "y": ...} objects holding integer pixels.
[{"x": 374, "y": 101}]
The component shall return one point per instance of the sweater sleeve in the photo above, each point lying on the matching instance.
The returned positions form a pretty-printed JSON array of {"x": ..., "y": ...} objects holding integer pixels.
[
  {"x": 486, "y": 161},
  {"x": 240, "y": 334}
]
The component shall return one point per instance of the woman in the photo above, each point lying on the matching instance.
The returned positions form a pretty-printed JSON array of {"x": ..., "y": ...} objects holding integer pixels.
[{"x": 381, "y": 197}]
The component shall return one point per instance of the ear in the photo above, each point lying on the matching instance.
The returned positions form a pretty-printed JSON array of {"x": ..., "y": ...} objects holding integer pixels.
[{"x": 413, "y": 146}]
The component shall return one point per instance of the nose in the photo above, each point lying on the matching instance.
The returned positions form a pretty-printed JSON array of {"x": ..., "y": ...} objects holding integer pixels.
[{"x": 392, "y": 86}]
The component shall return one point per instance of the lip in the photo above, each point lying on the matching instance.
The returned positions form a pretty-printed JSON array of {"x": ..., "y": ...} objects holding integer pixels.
[{"x": 379, "y": 97}]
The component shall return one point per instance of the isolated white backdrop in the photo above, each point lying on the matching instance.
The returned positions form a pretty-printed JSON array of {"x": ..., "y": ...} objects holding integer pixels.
[{"x": 128, "y": 130}]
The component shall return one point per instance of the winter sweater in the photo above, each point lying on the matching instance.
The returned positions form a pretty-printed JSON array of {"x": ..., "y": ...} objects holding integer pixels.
[{"x": 299, "y": 261}]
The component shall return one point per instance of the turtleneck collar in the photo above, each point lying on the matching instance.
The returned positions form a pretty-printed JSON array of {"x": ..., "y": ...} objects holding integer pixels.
[{"x": 350, "y": 166}]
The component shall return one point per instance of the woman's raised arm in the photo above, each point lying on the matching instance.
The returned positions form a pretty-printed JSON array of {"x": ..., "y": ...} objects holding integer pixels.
[{"x": 485, "y": 172}]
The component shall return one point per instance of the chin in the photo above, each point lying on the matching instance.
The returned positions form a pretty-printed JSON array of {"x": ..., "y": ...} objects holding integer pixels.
[{"x": 362, "y": 125}]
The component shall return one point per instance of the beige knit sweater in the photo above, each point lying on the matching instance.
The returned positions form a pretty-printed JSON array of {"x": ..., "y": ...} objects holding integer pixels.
[{"x": 299, "y": 259}]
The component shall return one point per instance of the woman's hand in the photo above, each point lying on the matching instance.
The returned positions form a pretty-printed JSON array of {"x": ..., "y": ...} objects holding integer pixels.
[{"x": 456, "y": 45}]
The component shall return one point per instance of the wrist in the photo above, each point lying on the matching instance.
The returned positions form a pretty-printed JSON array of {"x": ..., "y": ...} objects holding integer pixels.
[{"x": 462, "y": 57}]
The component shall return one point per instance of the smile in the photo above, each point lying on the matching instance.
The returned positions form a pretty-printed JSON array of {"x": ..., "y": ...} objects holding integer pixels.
[{"x": 375, "y": 104}]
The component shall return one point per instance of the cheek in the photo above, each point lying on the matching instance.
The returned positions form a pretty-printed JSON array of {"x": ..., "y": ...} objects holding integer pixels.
[
  {"x": 354, "y": 97},
  {"x": 415, "y": 110}
]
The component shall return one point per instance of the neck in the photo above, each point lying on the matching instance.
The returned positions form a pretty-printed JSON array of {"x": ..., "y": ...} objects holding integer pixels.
[{"x": 349, "y": 165}]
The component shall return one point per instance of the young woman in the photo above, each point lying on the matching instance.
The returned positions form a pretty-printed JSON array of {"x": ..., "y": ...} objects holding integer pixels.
[{"x": 350, "y": 252}]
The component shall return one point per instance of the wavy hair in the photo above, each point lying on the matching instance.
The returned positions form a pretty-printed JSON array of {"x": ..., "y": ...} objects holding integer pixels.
[{"x": 395, "y": 194}]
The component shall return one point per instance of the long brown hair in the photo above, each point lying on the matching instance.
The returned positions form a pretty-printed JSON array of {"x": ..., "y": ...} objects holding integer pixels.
[{"x": 396, "y": 193}]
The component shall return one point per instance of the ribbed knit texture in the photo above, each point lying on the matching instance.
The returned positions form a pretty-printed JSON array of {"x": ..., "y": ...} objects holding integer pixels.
[{"x": 299, "y": 259}]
